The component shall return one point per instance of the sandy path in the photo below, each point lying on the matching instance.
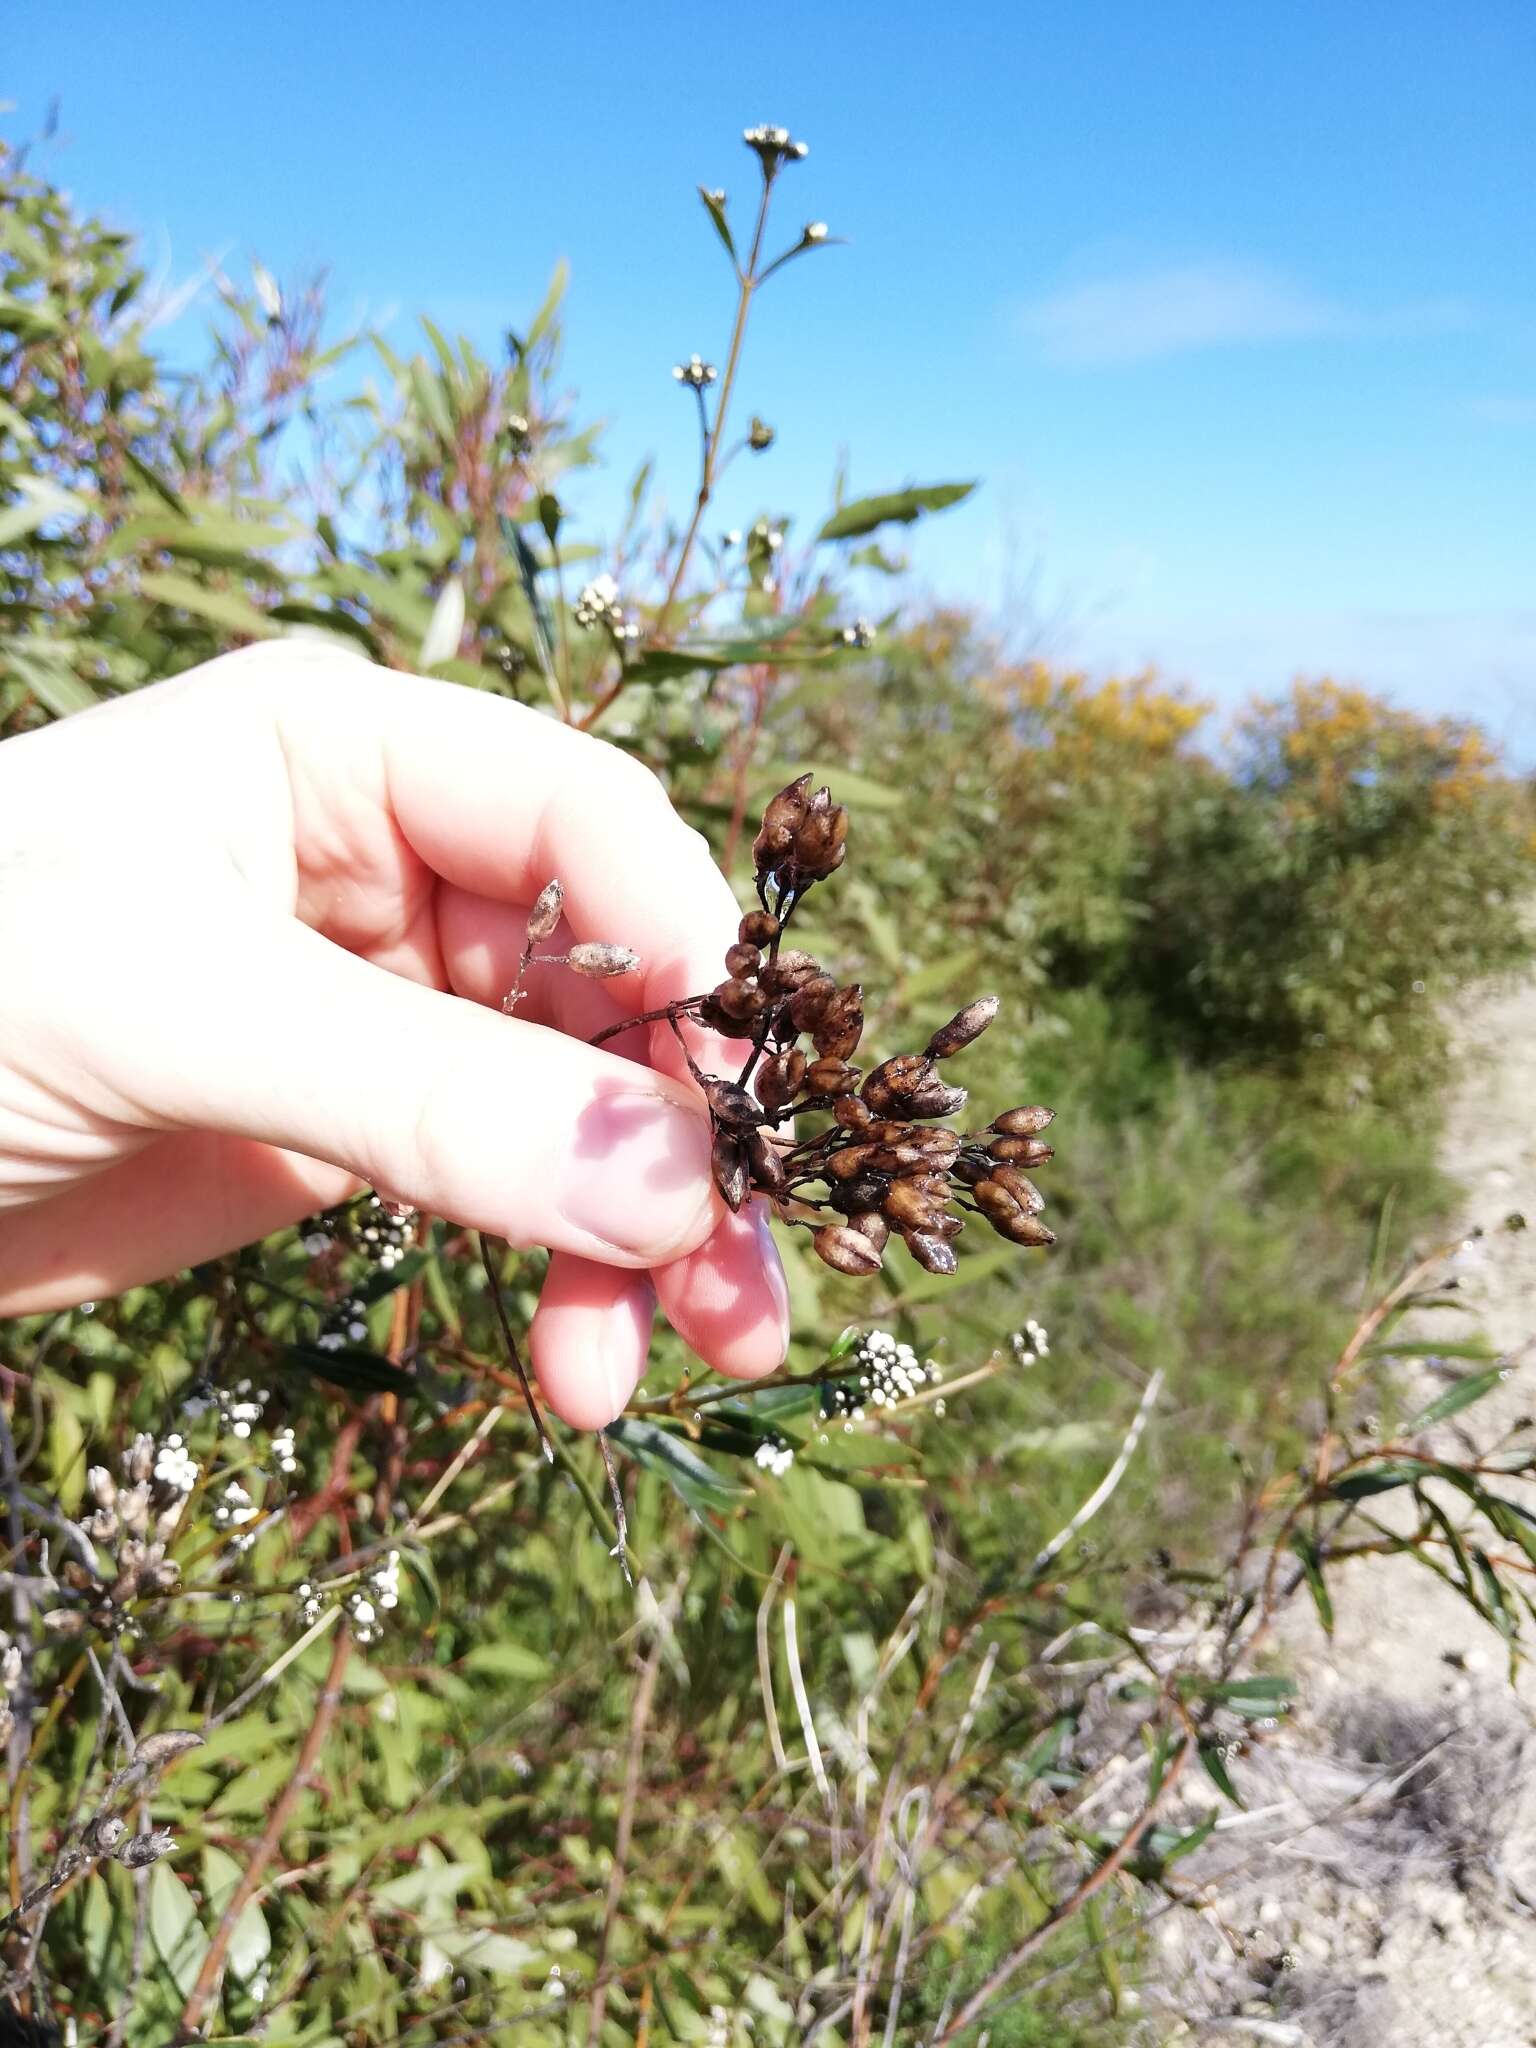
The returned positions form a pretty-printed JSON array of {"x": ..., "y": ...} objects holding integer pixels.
[{"x": 1412, "y": 1922}]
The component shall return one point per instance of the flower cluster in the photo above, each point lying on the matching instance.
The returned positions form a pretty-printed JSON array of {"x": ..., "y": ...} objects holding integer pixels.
[
  {"x": 882, "y": 1162},
  {"x": 130, "y": 1524},
  {"x": 383, "y": 1232},
  {"x": 235, "y": 1509},
  {"x": 775, "y": 1455},
  {"x": 598, "y": 606},
  {"x": 695, "y": 373},
  {"x": 1031, "y": 1343},
  {"x": 860, "y": 634},
  {"x": 774, "y": 147},
  {"x": 242, "y": 1408}
]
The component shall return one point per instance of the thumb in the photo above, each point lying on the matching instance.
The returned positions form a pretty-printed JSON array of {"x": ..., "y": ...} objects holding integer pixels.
[{"x": 495, "y": 1123}]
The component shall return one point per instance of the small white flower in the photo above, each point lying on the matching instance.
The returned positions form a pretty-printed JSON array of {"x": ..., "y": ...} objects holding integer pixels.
[
  {"x": 384, "y": 1581},
  {"x": 860, "y": 634},
  {"x": 285, "y": 1451},
  {"x": 775, "y": 1458},
  {"x": 175, "y": 1467},
  {"x": 816, "y": 231},
  {"x": 695, "y": 373},
  {"x": 235, "y": 1507}
]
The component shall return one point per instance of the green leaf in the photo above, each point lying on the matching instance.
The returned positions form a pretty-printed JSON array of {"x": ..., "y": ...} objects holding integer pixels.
[
  {"x": 700, "y": 1485},
  {"x": 47, "y": 674},
  {"x": 506, "y": 1660},
  {"x": 1215, "y": 1767},
  {"x": 544, "y": 319},
  {"x": 352, "y": 1366},
  {"x": 892, "y": 507},
  {"x": 550, "y": 515},
  {"x": 716, "y": 213},
  {"x": 1312, "y": 1570},
  {"x": 175, "y": 1929},
  {"x": 1383, "y": 1477},
  {"x": 1462, "y": 1395},
  {"x": 41, "y": 500},
  {"x": 225, "y": 608}
]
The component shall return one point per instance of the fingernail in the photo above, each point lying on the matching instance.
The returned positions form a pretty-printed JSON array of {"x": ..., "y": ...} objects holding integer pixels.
[
  {"x": 773, "y": 1268},
  {"x": 636, "y": 1177}
]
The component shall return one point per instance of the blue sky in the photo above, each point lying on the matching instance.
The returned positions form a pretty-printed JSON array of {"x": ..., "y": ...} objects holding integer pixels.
[{"x": 1232, "y": 310}]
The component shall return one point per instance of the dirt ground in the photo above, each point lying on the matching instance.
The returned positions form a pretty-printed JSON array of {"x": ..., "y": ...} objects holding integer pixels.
[{"x": 1386, "y": 1896}]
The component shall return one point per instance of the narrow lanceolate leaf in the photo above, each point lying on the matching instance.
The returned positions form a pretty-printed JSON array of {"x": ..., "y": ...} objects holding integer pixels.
[
  {"x": 1312, "y": 1571},
  {"x": 225, "y": 608},
  {"x": 864, "y": 515},
  {"x": 1473, "y": 1388},
  {"x": 700, "y": 1485},
  {"x": 40, "y": 501},
  {"x": 1214, "y": 1764}
]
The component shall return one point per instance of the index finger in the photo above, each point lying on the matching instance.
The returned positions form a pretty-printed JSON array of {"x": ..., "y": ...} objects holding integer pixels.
[{"x": 498, "y": 799}]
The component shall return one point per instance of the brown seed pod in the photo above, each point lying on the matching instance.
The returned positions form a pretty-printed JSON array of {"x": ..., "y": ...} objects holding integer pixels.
[
  {"x": 808, "y": 1004},
  {"x": 888, "y": 1089},
  {"x": 1021, "y": 1187},
  {"x": 846, "y": 1250},
  {"x": 931, "y": 1253},
  {"x": 848, "y": 1162},
  {"x": 1022, "y": 1151},
  {"x": 871, "y": 1224},
  {"x": 851, "y": 1113},
  {"x": 730, "y": 1104},
  {"x": 779, "y": 1078},
  {"x": 837, "y": 1032},
  {"x": 789, "y": 971},
  {"x": 963, "y": 1027},
  {"x": 831, "y": 1077},
  {"x": 1023, "y": 1123},
  {"x": 713, "y": 1018},
  {"x": 781, "y": 820},
  {"x": 971, "y": 1167},
  {"x": 766, "y": 1164},
  {"x": 911, "y": 1208},
  {"x": 758, "y": 928},
  {"x": 864, "y": 1191},
  {"x": 545, "y": 914},
  {"x": 934, "y": 1097},
  {"x": 820, "y": 840},
  {"x": 997, "y": 1203},
  {"x": 728, "y": 1163},
  {"x": 1026, "y": 1230},
  {"x": 743, "y": 1000},
  {"x": 740, "y": 961},
  {"x": 598, "y": 962}
]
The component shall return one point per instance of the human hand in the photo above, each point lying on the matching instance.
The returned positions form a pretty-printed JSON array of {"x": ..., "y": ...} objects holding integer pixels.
[{"x": 254, "y": 924}]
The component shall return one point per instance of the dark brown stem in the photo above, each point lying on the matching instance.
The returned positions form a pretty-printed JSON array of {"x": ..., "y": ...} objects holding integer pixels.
[{"x": 513, "y": 1352}]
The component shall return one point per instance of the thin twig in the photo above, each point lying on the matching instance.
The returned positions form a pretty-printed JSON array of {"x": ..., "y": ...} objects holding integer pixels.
[
  {"x": 513, "y": 1353},
  {"x": 1108, "y": 1483},
  {"x": 639, "y": 1719}
]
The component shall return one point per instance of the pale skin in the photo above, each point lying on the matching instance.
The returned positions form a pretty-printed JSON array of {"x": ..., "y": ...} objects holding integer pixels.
[{"x": 255, "y": 928}]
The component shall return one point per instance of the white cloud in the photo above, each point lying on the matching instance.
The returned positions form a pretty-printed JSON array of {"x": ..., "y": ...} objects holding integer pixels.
[{"x": 1138, "y": 315}]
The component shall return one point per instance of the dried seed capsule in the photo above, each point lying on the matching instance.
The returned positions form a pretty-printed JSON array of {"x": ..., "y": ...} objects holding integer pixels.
[
  {"x": 934, "y": 1147},
  {"x": 1021, "y": 1187},
  {"x": 63, "y": 1621},
  {"x": 934, "y": 1097},
  {"x": 1026, "y": 1230},
  {"x": 156, "y": 1751},
  {"x": 758, "y": 928},
  {"x": 871, "y": 1224},
  {"x": 781, "y": 820},
  {"x": 728, "y": 1162},
  {"x": 831, "y": 1077},
  {"x": 766, "y": 1164},
  {"x": 792, "y": 968},
  {"x": 888, "y": 1088},
  {"x": 1023, "y": 1123},
  {"x": 837, "y": 1032},
  {"x": 779, "y": 1078},
  {"x": 820, "y": 840},
  {"x": 598, "y": 961},
  {"x": 545, "y": 914},
  {"x": 713, "y": 1018},
  {"x": 911, "y": 1208},
  {"x": 1022, "y": 1151},
  {"x": 808, "y": 1004},
  {"x": 864, "y": 1191},
  {"x": 848, "y": 1162},
  {"x": 931, "y": 1253},
  {"x": 743, "y": 1000},
  {"x": 740, "y": 961},
  {"x": 104, "y": 1833},
  {"x": 141, "y": 1850},
  {"x": 846, "y": 1250},
  {"x": 730, "y": 1104},
  {"x": 851, "y": 1113},
  {"x": 963, "y": 1027},
  {"x": 971, "y": 1167},
  {"x": 997, "y": 1203}
]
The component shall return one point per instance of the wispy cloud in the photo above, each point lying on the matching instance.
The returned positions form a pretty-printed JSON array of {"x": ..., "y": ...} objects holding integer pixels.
[{"x": 1135, "y": 316}]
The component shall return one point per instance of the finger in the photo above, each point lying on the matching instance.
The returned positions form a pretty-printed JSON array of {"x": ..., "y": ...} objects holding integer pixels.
[
  {"x": 590, "y": 1338},
  {"x": 728, "y": 1301},
  {"x": 499, "y": 800},
  {"x": 501, "y": 1125},
  {"x": 186, "y": 1197}
]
